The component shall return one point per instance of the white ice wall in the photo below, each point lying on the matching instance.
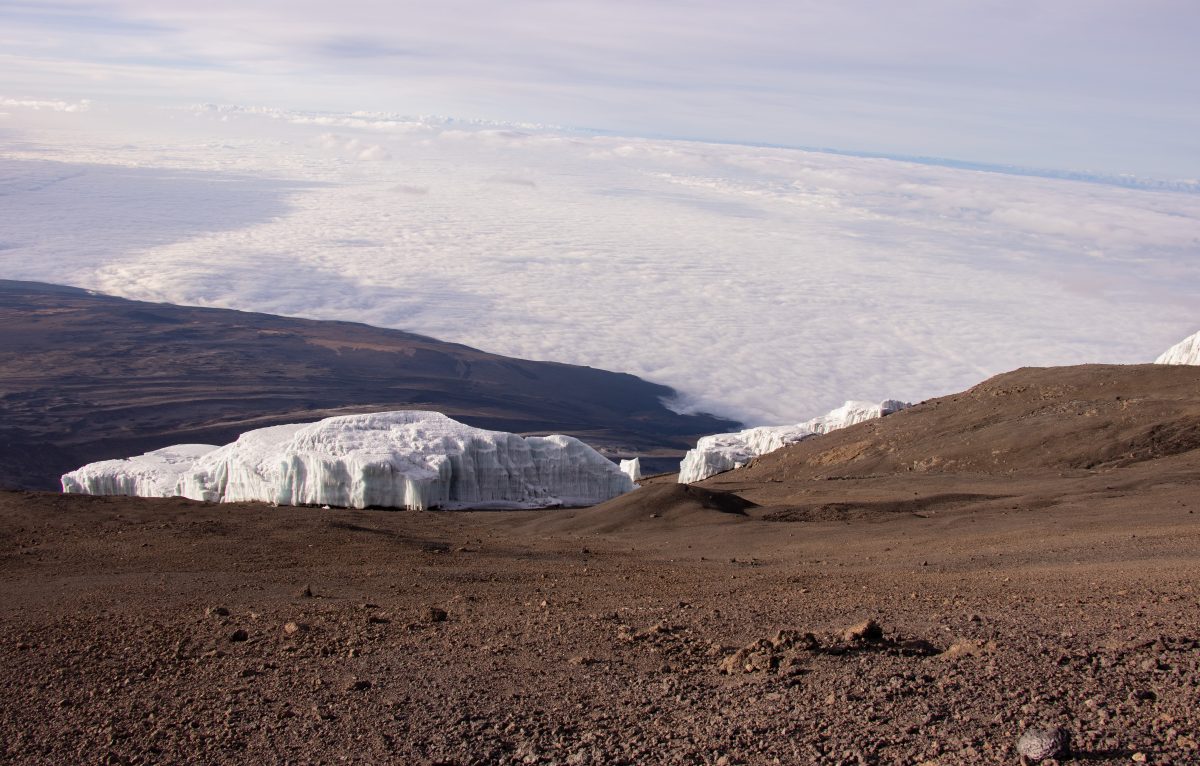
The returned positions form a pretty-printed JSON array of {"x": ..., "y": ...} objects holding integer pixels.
[
  {"x": 153, "y": 474},
  {"x": 407, "y": 459},
  {"x": 724, "y": 452},
  {"x": 632, "y": 468}
]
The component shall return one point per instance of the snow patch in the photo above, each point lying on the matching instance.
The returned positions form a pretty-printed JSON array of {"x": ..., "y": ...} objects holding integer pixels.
[{"x": 724, "y": 452}]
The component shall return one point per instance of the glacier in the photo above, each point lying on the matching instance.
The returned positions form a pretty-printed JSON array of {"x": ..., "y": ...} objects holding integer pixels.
[
  {"x": 724, "y": 452},
  {"x": 406, "y": 459},
  {"x": 154, "y": 474},
  {"x": 1186, "y": 351},
  {"x": 632, "y": 468}
]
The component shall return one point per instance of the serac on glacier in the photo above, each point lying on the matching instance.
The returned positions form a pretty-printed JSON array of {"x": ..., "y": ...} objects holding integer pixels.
[{"x": 632, "y": 468}]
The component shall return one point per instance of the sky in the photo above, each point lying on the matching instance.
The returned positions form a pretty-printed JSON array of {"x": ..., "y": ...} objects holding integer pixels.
[{"x": 1105, "y": 86}]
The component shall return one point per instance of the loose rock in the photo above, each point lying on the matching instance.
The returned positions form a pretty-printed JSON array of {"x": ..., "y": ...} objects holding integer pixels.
[
  {"x": 1041, "y": 743},
  {"x": 863, "y": 631}
]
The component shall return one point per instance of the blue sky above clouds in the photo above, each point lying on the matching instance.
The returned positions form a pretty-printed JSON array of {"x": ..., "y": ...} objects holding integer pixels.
[{"x": 1100, "y": 85}]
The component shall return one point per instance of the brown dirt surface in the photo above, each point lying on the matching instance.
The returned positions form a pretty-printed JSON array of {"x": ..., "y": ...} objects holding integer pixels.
[
  {"x": 1030, "y": 591},
  {"x": 656, "y": 504},
  {"x": 1062, "y": 418}
]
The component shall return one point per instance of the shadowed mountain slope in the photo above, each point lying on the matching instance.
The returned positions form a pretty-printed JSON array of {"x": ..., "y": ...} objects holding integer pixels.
[{"x": 87, "y": 377}]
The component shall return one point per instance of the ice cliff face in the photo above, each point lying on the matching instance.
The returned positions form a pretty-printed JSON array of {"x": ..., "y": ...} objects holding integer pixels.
[
  {"x": 248, "y": 469},
  {"x": 725, "y": 452},
  {"x": 409, "y": 459},
  {"x": 632, "y": 468},
  {"x": 153, "y": 474},
  {"x": 1187, "y": 351}
]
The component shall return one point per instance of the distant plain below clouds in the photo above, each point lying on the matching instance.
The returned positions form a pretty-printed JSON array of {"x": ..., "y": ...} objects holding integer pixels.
[{"x": 763, "y": 284}]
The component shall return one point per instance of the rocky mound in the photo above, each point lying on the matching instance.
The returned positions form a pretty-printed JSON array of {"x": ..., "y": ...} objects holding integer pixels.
[
  {"x": 659, "y": 506},
  {"x": 1090, "y": 417}
]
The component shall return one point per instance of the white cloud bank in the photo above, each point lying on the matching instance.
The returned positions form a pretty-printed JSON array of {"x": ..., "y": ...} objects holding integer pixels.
[
  {"x": 51, "y": 105},
  {"x": 765, "y": 284}
]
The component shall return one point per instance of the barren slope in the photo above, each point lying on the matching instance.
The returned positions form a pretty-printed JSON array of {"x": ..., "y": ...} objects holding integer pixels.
[
  {"x": 1028, "y": 438},
  {"x": 1062, "y": 418},
  {"x": 1013, "y": 583}
]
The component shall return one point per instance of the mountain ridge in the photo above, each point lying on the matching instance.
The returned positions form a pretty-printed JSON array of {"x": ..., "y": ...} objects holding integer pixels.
[{"x": 86, "y": 377}]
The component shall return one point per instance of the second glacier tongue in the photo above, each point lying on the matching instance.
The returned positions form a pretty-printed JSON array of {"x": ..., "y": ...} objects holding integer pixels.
[{"x": 724, "y": 452}]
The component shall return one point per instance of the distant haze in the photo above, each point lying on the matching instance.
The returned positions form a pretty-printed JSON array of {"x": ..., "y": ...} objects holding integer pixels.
[{"x": 1073, "y": 84}]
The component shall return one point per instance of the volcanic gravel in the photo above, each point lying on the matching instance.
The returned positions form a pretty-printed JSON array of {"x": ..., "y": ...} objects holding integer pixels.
[
  {"x": 165, "y": 631},
  {"x": 920, "y": 590}
]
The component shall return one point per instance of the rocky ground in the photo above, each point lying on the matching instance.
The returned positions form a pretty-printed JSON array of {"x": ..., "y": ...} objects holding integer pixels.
[
  {"x": 917, "y": 590},
  {"x": 165, "y": 631}
]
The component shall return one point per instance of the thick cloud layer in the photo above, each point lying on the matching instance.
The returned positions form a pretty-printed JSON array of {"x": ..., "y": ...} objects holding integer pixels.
[{"x": 766, "y": 284}]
